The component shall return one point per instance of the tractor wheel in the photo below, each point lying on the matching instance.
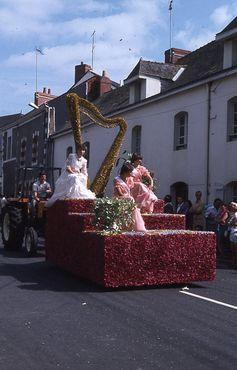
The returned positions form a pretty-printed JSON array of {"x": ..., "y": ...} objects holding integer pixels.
[
  {"x": 31, "y": 242},
  {"x": 12, "y": 228}
]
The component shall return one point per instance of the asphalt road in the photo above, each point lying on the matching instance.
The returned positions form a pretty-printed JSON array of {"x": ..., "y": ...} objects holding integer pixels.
[{"x": 51, "y": 320}]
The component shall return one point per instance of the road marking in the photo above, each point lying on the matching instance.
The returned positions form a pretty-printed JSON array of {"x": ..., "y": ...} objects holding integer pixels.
[{"x": 209, "y": 300}]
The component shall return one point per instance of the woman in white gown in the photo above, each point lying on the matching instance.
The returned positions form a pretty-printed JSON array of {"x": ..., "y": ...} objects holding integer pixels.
[{"x": 72, "y": 184}]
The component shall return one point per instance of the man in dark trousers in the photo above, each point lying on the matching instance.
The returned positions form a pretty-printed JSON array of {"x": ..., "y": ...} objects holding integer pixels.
[{"x": 182, "y": 206}]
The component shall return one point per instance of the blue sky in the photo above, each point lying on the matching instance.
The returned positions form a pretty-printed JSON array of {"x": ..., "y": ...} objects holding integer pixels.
[{"x": 125, "y": 31}]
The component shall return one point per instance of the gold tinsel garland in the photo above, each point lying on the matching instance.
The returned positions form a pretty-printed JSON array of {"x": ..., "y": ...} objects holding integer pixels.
[{"x": 77, "y": 105}]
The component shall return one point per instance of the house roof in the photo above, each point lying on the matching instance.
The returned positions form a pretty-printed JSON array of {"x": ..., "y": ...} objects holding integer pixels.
[
  {"x": 113, "y": 100},
  {"x": 154, "y": 69},
  {"x": 201, "y": 63},
  {"x": 230, "y": 26},
  {"x": 107, "y": 103},
  {"x": 87, "y": 76},
  {"x": 7, "y": 120}
]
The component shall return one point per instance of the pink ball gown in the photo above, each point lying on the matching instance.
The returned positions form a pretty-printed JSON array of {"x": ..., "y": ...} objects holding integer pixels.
[
  {"x": 142, "y": 194},
  {"x": 120, "y": 187}
]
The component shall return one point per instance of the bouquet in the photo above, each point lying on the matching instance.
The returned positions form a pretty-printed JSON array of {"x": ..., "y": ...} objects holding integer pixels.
[{"x": 113, "y": 216}]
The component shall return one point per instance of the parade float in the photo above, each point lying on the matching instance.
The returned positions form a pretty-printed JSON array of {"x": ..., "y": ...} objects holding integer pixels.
[{"x": 94, "y": 239}]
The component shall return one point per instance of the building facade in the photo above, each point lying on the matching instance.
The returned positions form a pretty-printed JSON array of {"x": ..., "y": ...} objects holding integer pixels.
[
  {"x": 182, "y": 117},
  {"x": 25, "y": 140}
]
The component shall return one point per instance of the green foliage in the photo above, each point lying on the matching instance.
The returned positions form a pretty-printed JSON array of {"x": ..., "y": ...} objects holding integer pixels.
[{"x": 113, "y": 216}]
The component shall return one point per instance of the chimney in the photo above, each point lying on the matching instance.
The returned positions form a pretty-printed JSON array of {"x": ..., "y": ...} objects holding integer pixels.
[
  {"x": 105, "y": 83},
  {"x": 81, "y": 70},
  {"x": 173, "y": 55},
  {"x": 43, "y": 97}
]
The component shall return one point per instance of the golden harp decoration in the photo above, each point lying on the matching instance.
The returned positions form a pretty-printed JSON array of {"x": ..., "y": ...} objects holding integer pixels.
[{"x": 77, "y": 105}]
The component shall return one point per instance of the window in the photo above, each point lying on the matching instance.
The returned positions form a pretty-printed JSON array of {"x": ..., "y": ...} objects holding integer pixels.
[
  {"x": 230, "y": 192},
  {"x": 232, "y": 119},
  {"x": 9, "y": 147},
  {"x": 137, "y": 91},
  {"x": 181, "y": 131},
  {"x": 35, "y": 147},
  {"x": 136, "y": 139},
  {"x": 234, "y": 52},
  {"x": 4, "y": 146},
  {"x": 68, "y": 151},
  {"x": 51, "y": 121},
  {"x": 23, "y": 152}
]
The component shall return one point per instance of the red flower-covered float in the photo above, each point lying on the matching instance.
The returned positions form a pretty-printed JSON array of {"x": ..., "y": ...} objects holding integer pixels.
[
  {"x": 128, "y": 258},
  {"x": 112, "y": 256}
]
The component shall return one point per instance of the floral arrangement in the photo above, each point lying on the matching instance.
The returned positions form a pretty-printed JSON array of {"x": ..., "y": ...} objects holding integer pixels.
[{"x": 113, "y": 216}]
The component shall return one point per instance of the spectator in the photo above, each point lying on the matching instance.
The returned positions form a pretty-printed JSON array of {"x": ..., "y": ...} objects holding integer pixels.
[
  {"x": 232, "y": 223},
  {"x": 168, "y": 207},
  {"x": 182, "y": 207},
  {"x": 233, "y": 240},
  {"x": 221, "y": 219},
  {"x": 210, "y": 213},
  {"x": 189, "y": 216},
  {"x": 197, "y": 210}
]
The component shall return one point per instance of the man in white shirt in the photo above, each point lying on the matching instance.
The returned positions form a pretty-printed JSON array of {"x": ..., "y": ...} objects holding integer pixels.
[{"x": 41, "y": 188}]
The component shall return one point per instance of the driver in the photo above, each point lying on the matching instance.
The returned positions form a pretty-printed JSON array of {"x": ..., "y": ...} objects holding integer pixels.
[{"x": 41, "y": 188}]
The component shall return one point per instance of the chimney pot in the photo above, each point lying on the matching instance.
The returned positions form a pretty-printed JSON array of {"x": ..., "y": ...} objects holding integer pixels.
[
  {"x": 81, "y": 70},
  {"x": 173, "y": 55},
  {"x": 105, "y": 74},
  {"x": 49, "y": 91},
  {"x": 44, "y": 90}
]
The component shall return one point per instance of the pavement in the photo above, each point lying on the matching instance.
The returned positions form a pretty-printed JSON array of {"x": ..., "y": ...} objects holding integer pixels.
[{"x": 51, "y": 320}]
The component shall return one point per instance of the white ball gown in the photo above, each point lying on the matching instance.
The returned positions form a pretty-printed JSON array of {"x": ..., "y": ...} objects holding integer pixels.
[{"x": 72, "y": 185}]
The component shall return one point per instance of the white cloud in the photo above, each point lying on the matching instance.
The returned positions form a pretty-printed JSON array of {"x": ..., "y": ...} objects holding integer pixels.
[
  {"x": 222, "y": 15},
  {"x": 192, "y": 36},
  {"x": 190, "y": 39},
  {"x": 122, "y": 32}
]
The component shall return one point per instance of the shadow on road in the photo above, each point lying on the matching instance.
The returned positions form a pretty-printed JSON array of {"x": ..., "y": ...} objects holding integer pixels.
[{"x": 37, "y": 274}]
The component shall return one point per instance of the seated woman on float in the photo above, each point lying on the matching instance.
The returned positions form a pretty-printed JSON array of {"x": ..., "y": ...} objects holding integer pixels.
[
  {"x": 72, "y": 184},
  {"x": 141, "y": 192},
  {"x": 122, "y": 190}
]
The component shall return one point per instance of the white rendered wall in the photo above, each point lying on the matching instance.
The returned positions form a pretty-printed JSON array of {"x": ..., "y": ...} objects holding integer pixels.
[
  {"x": 223, "y": 153},
  {"x": 157, "y": 144},
  {"x": 153, "y": 86}
]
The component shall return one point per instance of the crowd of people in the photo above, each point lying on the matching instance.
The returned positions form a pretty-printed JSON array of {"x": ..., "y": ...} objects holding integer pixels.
[{"x": 217, "y": 217}]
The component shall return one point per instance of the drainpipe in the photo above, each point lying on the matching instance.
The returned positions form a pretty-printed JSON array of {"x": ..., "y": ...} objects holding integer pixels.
[
  {"x": 52, "y": 162},
  {"x": 209, "y": 84}
]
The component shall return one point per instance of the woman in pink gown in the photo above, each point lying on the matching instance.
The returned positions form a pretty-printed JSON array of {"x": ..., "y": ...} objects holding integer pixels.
[
  {"x": 142, "y": 193},
  {"x": 122, "y": 190}
]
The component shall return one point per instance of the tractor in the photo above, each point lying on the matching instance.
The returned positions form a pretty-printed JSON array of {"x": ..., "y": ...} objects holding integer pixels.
[{"x": 22, "y": 220}]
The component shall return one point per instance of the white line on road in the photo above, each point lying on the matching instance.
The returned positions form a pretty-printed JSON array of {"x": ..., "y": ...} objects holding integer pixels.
[{"x": 209, "y": 300}]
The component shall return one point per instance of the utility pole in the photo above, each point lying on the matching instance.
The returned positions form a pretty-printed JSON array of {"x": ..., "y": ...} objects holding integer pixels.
[
  {"x": 36, "y": 70},
  {"x": 170, "y": 10},
  {"x": 93, "y": 50},
  {"x": 37, "y": 50}
]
